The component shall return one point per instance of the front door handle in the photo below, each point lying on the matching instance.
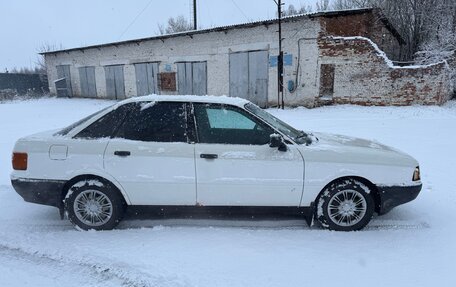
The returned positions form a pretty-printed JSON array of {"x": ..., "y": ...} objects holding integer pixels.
[
  {"x": 208, "y": 156},
  {"x": 122, "y": 153}
]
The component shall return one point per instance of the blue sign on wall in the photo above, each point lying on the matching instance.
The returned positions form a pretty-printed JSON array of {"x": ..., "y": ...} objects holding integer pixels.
[{"x": 287, "y": 60}]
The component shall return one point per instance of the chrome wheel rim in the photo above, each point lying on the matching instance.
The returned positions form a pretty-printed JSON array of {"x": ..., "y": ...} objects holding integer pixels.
[
  {"x": 92, "y": 207},
  {"x": 347, "y": 207}
]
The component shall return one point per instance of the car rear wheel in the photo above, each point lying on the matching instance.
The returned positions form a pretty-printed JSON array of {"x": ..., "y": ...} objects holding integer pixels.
[
  {"x": 345, "y": 205},
  {"x": 93, "y": 204}
]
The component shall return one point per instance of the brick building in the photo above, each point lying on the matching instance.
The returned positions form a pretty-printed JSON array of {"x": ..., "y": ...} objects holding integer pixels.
[{"x": 330, "y": 57}]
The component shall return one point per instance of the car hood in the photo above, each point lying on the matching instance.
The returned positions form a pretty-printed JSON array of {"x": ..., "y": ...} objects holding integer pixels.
[
  {"x": 351, "y": 149},
  {"x": 334, "y": 140}
]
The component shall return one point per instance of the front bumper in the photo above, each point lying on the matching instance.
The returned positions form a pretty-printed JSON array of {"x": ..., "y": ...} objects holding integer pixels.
[
  {"x": 392, "y": 196},
  {"x": 41, "y": 191}
]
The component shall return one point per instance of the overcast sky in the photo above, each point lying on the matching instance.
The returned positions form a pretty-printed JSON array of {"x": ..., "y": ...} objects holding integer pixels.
[{"x": 28, "y": 24}]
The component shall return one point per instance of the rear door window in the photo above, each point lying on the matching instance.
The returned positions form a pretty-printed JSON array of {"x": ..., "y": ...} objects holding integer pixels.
[{"x": 156, "y": 122}]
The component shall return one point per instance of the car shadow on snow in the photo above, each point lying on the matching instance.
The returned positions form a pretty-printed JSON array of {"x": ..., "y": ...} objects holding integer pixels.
[
  {"x": 149, "y": 218},
  {"x": 203, "y": 217}
]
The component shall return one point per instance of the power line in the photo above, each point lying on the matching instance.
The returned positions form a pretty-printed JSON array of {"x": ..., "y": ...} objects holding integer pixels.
[
  {"x": 134, "y": 20},
  {"x": 240, "y": 10}
]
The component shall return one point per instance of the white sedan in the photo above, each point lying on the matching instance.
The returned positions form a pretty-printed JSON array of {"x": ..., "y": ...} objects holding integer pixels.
[{"x": 200, "y": 152}]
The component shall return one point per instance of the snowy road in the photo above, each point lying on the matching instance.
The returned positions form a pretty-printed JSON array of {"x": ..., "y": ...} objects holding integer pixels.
[{"x": 414, "y": 245}]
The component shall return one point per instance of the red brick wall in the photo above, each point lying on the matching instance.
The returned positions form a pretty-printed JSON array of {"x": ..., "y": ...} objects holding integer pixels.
[
  {"x": 362, "y": 76},
  {"x": 366, "y": 24}
]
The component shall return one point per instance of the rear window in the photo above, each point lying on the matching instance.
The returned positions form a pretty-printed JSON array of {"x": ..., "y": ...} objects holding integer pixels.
[
  {"x": 107, "y": 125},
  {"x": 65, "y": 131}
]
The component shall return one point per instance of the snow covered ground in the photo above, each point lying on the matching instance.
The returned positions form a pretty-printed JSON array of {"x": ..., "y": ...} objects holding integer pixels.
[{"x": 414, "y": 245}]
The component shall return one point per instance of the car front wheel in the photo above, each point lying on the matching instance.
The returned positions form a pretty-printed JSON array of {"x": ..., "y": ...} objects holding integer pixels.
[
  {"x": 345, "y": 205},
  {"x": 93, "y": 204}
]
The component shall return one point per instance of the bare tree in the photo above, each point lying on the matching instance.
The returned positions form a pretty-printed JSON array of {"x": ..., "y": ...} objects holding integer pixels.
[
  {"x": 440, "y": 33},
  {"x": 427, "y": 26},
  {"x": 322, "y": 5},
  {"x": 175, "y": 25},
  {"x": 40, "y": 62},
  {"x": 291, "y": 10},
  {"x": 25, "y": 70},
  {"x": 350, "y": 4}
]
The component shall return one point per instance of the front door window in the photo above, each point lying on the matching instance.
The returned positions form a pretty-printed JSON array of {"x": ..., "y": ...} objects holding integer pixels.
[{"x": 229, "y": 125}]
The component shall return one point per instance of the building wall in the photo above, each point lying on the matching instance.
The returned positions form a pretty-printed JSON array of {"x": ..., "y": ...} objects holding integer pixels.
[
  {"x": 213, "y": 47},
  {"x": 369, "y": 25},
  {"x": 360, "y": 75},
  {"x": 364, "y": 76}
]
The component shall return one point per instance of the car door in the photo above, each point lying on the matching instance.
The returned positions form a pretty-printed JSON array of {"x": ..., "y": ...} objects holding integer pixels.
[
  {"x": 150, "y": 155},
  {"x": 235, "y": 165}
]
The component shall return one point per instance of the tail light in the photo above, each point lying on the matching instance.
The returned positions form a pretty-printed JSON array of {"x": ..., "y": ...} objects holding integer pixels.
[
  {"x": 20, "y": 161},
  {"x": 416, "y": 174}
]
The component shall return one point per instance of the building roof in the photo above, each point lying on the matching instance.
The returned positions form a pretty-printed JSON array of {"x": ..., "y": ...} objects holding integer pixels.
[{"x": 238, "y": 26}]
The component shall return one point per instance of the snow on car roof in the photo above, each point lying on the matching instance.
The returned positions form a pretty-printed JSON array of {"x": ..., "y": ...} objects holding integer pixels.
[{"x": 188, "y": 98}]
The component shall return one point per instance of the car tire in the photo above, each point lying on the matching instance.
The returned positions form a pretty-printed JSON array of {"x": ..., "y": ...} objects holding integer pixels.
[
  {"x": 345, "y": 205},
  {"x": 93, "y": 204}
]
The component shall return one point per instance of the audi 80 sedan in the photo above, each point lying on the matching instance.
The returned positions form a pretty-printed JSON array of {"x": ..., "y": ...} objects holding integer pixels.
[{"x": 201, "y": 152}]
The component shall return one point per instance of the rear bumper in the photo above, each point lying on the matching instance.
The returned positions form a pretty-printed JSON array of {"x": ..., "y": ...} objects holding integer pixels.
[
  {"x": 41, "y": 191},
  {"x": 392, "y": 196}
]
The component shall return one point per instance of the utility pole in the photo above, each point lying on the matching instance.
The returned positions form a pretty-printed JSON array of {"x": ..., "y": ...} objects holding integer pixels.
[
  {"x": 195, "y": 24},
  {"x": 280, "y": 100}
]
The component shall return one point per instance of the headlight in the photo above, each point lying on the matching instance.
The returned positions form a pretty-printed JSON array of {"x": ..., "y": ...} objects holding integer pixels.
[{"x": 416, "y": 174}]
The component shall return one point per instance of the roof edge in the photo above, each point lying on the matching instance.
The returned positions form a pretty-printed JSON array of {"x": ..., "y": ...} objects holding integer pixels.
[{"x": 217, "y": 29}]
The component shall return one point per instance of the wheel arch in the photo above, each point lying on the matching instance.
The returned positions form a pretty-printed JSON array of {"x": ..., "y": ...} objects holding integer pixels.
[
  {"x": 89, "y": 176},
  {"x": 372, "y": 187}
]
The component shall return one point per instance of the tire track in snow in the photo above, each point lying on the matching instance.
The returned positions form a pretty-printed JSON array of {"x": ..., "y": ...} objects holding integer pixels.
[
  {"x": 19, "y": 269},
  {"x": 100, "y": 274},
  {"x": 373, "y": 226}
]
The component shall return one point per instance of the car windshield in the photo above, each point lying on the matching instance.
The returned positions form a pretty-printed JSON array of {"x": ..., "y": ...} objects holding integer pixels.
[
  {"x": 298, "y": 136},
  {"x": 65, "y": 131}
]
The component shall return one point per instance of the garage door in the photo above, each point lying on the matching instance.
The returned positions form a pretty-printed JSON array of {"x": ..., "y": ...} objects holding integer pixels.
[
  {"x": 63, "y": 83},
  {"x": 192, "y": 78},
  {"x": 87, "y": 81},
  {"x": 249, "y": 76},
  {"x": 115, "y": 85},
  {"x": 146, "y": 78}
]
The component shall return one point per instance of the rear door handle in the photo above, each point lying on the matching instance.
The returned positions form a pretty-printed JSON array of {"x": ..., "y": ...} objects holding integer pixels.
[
  {"x": 122, "y": 153},
  {"x": 208, "y": 156}
]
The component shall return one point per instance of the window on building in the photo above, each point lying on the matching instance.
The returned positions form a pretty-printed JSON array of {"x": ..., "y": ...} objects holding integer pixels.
[
  {"x": 87, "y": 81},
  {"x": 192, "y": 78},
  {"x": 220, "y": 124},
  {"x": 327, "y": 72}
]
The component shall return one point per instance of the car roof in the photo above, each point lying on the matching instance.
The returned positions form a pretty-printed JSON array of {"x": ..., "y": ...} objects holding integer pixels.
[{"x": 187, "y": 98}]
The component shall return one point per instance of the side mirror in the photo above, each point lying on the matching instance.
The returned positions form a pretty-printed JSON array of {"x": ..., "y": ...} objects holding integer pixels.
[{"x": 276, "y": 141}]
